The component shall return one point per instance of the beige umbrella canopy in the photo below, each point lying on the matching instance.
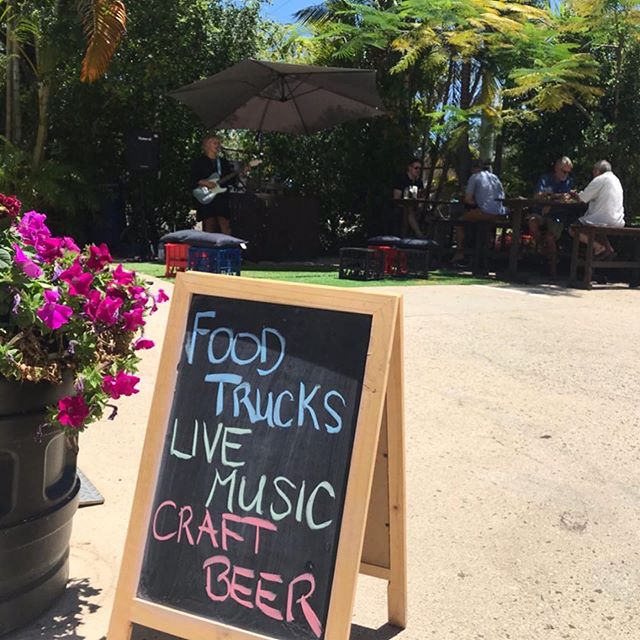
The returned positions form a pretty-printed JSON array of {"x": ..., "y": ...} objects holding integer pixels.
[{"x": 274, "y": 96}]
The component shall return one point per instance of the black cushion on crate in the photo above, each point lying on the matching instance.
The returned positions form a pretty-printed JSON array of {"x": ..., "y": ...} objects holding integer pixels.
[
  {"x": 384, "y": 241},
  {"x": 202, "y": 239},
  {"x": 417, "y": 244}
]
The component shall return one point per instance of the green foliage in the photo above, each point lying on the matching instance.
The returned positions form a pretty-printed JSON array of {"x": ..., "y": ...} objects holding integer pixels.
[
  {"x": 168, "y": 44},
  {"x": 522, "y": 81}
]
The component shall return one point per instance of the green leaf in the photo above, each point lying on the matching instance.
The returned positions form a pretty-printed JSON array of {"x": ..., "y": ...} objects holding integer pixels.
[{"x": 5, "y": 259}]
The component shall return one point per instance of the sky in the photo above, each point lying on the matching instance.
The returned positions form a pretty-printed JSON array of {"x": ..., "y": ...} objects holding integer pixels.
[{"x": 283, "y": 10}]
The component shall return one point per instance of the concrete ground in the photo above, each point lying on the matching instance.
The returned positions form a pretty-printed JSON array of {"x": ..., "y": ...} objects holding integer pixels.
[{"x": 523, "y": 482}]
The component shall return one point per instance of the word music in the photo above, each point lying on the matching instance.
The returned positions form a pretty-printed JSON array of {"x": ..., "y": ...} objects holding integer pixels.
[{"x": 307, "y": 403}]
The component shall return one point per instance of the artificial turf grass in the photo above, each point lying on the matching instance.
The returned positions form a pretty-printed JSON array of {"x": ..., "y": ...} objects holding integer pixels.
[{"x": 320, "y": 274}]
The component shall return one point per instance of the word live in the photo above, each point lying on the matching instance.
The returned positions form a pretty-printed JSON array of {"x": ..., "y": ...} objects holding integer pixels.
[{"x": 285, "y": 490}]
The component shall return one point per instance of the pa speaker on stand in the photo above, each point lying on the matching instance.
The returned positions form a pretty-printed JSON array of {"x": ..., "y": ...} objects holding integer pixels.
[{"x": 142, "y": 150}]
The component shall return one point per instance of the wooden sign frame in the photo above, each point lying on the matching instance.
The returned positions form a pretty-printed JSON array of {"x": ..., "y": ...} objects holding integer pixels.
[{"x": 380, "y": 412}]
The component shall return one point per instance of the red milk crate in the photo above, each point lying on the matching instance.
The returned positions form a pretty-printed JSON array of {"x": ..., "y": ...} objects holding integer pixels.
[{"x": 175, "y": 258}]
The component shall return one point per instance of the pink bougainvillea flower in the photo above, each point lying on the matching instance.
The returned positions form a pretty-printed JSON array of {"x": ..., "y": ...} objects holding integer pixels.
[
  {"x": 81, "y": 285},
  {"x": 69, "y": 244},
  {"x": 99, "y": 256},
  {"x": 161, "y": 296},
  {"x": 143, "y": 343},
  {"x": 79, "y": 281},
  {"x": 49, "y": 248},
  {"x": 133, "y": 319},
  {"x": 72, "y": 272},
  {"x": 27, "y": 266},
  {"x": 32, "y": 228},
  {"x": 105, "y": 310},
  {"x": 54, "y": 315},
  {"x": 122, "y": 276},
  {"x": 138, "y": 296},
  {"x": 122, "y": 384},
  {"x": 72, "y": 411}
]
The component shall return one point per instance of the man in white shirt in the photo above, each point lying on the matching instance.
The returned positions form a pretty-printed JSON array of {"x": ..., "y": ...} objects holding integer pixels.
[{"x": 605, "y": 197}]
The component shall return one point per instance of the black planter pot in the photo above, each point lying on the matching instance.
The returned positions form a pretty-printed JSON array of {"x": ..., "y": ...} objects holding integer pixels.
[{"x": 38, "y": 498}]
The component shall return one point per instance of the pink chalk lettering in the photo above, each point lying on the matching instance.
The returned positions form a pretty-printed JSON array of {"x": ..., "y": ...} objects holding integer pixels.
[
  {"x": 156, "y": 535},
  {"x": 264, "y": 594},
  {"x": 184, "y": 524},
  {"x": 229, "y": 533},
  {"x": 221, "y": 577},
  {"x": 308, "y": 612},
  {"x": 207, "y": 528},
  {"x": 257, "y": 523},
  {"x": 238, "y": 590}
]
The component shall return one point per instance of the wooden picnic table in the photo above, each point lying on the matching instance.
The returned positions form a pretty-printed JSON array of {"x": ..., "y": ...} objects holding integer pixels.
[{"x": 517, "y": 208}]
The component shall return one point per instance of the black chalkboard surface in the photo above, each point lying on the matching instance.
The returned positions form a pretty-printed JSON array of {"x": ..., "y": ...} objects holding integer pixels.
[{"x": 250, "y": 493}]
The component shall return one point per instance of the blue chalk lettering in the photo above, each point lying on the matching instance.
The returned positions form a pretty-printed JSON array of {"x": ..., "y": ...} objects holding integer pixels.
[
  {"x": 263, "y": 355},
  {"x": 234, "y": 355},
  {"x": 190, "y": 348},
  {"x": 221, "y": 379},
  {"x": 212, "y": 337},
  {"x": 277, "y": 415},
  {"x": 305, "y": 407},
  {"x": 330, "y": 410}
]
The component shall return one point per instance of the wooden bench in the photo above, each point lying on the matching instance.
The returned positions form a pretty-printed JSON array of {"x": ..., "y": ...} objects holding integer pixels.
[{"x": 591, "y": 262}]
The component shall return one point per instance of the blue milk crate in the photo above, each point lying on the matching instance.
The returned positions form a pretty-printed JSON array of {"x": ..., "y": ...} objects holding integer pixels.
[{"x": 215, "y": 260}]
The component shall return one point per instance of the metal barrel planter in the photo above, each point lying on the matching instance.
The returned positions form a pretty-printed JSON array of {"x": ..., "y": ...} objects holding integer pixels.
[{"x": 38, "y": 499}]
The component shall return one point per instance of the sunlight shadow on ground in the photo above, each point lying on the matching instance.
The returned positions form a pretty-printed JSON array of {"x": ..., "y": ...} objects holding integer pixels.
[
  {"x": 552, "y": 290},
  {"x": 65, "y": 618},
  {"x": 385, "y": 632}
]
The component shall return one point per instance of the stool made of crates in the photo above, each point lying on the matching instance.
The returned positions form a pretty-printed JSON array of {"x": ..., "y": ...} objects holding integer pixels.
[
  {"x": 175, "y": 258},
  {"x": 413, "y": 258},
  {"x": 357, "y": 263},
  {"x": 389, "y": 258},
  {"x": 215, "y": 260}
]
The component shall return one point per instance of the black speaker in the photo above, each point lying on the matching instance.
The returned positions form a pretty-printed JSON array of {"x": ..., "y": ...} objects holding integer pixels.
[{"x": 142, "y": 150}]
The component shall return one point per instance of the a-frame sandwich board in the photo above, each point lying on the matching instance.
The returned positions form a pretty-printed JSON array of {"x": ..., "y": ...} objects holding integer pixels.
[{"x": 198, "y": 564}]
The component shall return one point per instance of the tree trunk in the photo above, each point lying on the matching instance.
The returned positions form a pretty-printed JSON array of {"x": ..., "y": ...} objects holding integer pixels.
[
  {"x": 44, "y": 91},
  {"x": 464, "y": 154},
  {"x": 13, "y": 131}
]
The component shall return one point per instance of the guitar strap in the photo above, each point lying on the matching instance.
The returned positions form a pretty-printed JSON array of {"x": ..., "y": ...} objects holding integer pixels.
[{"x": 219, "y": 166}]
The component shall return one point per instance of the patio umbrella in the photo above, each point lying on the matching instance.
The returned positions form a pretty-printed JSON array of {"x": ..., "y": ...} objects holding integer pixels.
[{"x": 274, "y": 96}]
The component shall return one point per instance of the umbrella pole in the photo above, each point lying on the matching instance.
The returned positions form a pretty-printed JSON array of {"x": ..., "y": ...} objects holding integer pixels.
[{"x": 260, "y": 139}]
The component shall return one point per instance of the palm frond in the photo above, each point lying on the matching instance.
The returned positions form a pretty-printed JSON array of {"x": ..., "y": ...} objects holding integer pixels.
[{"x": 104, "y": 23}]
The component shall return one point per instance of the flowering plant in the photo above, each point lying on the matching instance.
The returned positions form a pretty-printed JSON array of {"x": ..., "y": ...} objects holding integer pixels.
[{"x": 66, "y": 311}]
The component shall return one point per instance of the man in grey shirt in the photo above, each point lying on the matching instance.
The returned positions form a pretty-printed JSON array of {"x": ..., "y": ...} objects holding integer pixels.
[{"x": 483, "y": 201}]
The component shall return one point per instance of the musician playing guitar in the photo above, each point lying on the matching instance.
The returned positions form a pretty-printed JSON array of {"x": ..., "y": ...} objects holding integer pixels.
[{"x": 215, "y": 214}]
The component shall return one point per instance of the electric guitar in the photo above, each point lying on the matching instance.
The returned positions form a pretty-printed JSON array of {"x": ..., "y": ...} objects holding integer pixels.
[{"x": 205, "y": 195}]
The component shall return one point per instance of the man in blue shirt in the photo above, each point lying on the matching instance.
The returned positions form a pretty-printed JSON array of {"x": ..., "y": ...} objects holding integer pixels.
[
  {"x": 483, "y": 201},
  {"x": 545, "y": 225}
]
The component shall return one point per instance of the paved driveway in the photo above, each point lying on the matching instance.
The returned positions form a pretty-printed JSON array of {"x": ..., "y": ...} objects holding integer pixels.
[{"x": 522, "y": 428}]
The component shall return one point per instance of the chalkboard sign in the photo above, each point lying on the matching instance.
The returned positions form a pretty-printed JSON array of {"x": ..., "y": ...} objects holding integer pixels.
[{"x": 252, "y": 465}]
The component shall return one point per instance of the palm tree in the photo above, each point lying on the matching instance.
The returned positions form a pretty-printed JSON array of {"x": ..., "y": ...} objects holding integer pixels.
[{"x": 104, "y": 24}]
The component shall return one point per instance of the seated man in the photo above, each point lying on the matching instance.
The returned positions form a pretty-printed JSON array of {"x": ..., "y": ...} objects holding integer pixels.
[
  {"x": 483, "y": 201},
  {"x": 411, "y": 178},
  {"x": 546, "y": 226},
  {"x": 605, "y": 197}
]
